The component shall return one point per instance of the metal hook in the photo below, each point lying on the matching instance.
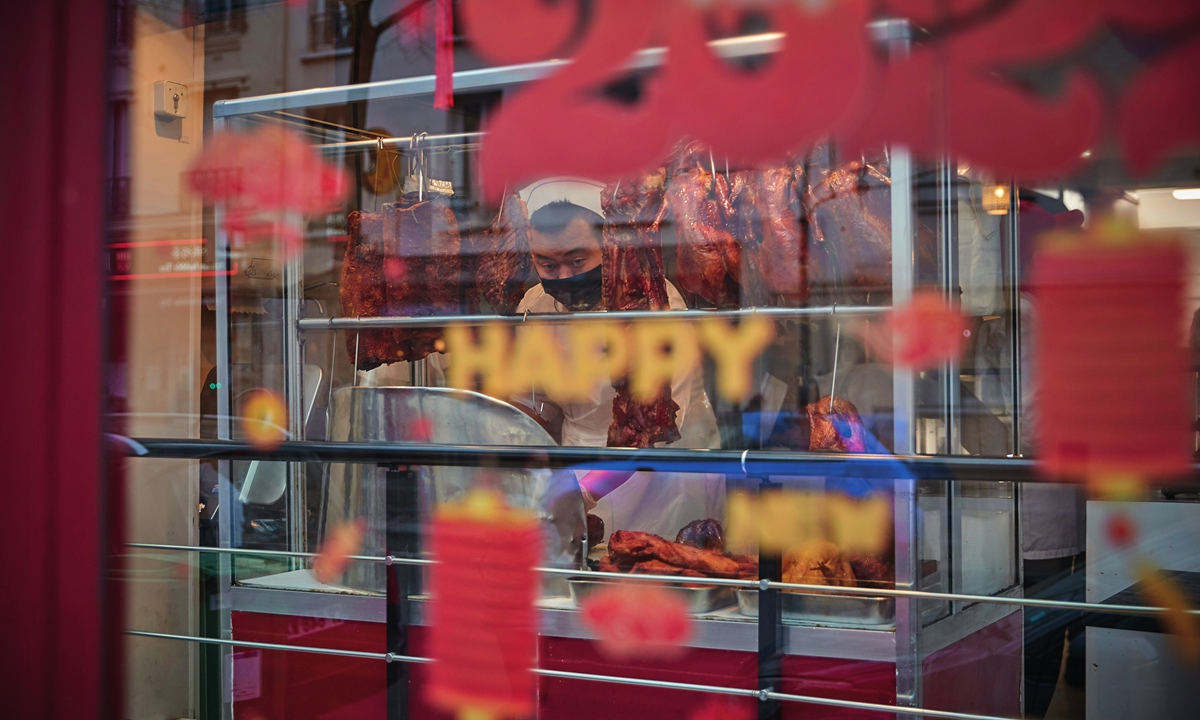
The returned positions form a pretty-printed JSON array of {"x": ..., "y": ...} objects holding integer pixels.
[
  {"x": 833, "y": 383},
  {"x": 378, "y": 167},
  {"x": 421, "y": 167}
]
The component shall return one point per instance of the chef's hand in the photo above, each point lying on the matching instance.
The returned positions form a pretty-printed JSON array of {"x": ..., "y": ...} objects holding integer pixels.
[{"x": 589, "y": 502}]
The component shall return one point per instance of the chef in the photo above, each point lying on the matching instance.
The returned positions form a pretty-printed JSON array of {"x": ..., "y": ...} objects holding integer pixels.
[{"x": 565, "y": 242}]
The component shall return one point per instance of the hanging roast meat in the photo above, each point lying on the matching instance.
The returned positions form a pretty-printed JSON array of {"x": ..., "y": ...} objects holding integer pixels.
[
  {"x": 363, "y": 290},
  {"x": 502, "y": 257},
  {"x": 767, "y": 221},
  {"x": 409, "y": 266},
  {"x": 634, "y": 274},
  {"x": 846, "y": 208},
  {"x": 847, "y": 435},
  {"x": 634, "y": 278},
  {"x": 708, "y": 257}
]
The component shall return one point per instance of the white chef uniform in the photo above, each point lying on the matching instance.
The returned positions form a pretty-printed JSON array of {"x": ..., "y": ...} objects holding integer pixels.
[{"x": 660, "y": 503}]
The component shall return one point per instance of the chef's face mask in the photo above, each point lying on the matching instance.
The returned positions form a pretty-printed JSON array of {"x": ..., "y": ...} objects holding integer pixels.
[{"x": 578, "y": 292}]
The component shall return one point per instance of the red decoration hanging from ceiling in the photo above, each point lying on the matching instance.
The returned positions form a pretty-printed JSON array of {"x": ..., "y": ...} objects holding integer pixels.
[
  {"x": 483, "y": 651},
  {"x": 947, "y": 91},
  {"x": 750, "y": 115},
  {"x": 443, "y": 62},
  {"x": 1160, "y": 110},
  {"x": 1112, "y": 369}
]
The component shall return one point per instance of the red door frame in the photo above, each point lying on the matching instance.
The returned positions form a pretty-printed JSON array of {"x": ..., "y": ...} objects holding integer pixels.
[{"x": 57, "y": 632}]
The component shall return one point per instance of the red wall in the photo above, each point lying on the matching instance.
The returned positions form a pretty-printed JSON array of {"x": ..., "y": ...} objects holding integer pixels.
[{"x": 53, "y": 57}]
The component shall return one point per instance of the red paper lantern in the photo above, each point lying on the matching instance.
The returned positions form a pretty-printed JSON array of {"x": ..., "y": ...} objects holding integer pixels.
[
  {"x": 483, "y": 635},
  {"x": 1111, "y": 365}
]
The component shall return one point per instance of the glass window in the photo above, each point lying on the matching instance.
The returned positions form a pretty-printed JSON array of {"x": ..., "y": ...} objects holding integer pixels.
[{"x": 440, "y": 326}]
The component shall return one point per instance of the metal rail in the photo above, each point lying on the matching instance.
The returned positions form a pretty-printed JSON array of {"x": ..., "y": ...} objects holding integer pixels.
[
  {"x": 731, "y": 462},
  {"x": 760, "y": 695},
  {"x": 1141, "y": 610},
  {"x": 345, "y": 323},
  {"x": 476, "y": 80}
]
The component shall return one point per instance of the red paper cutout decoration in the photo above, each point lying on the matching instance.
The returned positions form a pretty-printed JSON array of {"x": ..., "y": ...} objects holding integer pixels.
[
  {"x": 949, "y": 96},
  {"x": 334, "y": 556},
  {"x": 483, "y": 651},
  {"x": 518, "y": 31},
  {"x": 1160, "y": 110},
  {"x": 264, "y": 419},
  {"x": 566, "y": 125},
  {"x": 1109, "y": 357},
  {"x": 752, "y": 117},
  {"x": 920, "y": 334},
  {"x": 638, "y": 620},
  {"x": 974, "y": 113},
  {"x": 748, "y": 115},
  {"x": 265, "y": 178}
]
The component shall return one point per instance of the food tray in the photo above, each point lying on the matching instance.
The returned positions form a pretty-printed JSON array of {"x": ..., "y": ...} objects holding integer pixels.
[
  {"x": 699, "y": 599},
  {"x": 841, "y": 610}
]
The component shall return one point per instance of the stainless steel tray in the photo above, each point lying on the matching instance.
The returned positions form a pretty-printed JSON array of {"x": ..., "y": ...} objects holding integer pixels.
[
  {"x": 836, "y": 610},
  {"x": 699, "y": 599}
]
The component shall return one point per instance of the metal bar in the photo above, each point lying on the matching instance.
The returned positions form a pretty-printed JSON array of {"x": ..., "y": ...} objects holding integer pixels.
[
  {"x": 293, "y": 393},
  {"x": 908, "y": 537},
  {"x": 757, "y": 462},
  {"x": 770, "y": 621},
  {"x": 387, "y": 657},
  {"x": 402, "y": 537},
  {"x": 387, "y": 559},
  {"x": 1013, "y": 246},
  {"x": 403, "y": 140},
  {"x": 345, "y": 323},
  {"x": 226, "y": 494},
  {"x": 589, "y": 677},
  {"x": 733, "y": 582},
  {"x": 482, "y": 79}
]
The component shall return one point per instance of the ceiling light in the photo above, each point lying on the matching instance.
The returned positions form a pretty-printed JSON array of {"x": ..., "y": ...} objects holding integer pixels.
[{"x": 1187, "y": 194}]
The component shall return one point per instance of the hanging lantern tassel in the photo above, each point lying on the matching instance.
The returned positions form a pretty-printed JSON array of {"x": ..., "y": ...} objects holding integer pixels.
[
  {"x": 443, "y": 65},
  {"x": 483, "y": 636},
  {"x": 1110, "y": 359}
]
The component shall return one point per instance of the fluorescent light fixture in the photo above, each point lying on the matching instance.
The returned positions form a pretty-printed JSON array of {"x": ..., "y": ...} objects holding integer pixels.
[{"x": 1187, "y": 194}]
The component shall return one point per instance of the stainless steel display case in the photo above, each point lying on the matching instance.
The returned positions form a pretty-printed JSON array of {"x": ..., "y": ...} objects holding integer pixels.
[{"x": 943, "y": 529}]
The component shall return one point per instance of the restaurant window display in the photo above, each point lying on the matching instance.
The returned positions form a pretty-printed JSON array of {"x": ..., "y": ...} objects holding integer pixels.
[{"x": 616, "y": 359}]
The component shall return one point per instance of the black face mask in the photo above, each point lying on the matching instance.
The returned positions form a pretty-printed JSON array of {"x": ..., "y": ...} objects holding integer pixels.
[{"x": 579, "y": 292}]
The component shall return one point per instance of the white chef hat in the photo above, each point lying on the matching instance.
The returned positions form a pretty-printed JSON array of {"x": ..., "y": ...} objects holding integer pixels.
[{"x": 581, "y": 191}]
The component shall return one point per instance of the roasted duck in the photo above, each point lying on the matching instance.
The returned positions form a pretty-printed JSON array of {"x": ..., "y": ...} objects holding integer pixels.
[
  {"x": 625, "y": 546},
  {"x": 658, "y": 567},
  {"x": 634, "y": 278},
  {"x": 705, "y": 534},
  {"x": 595, "y": 529},
  {"x": 403, "y": 261},
  {"x": 817, "y": 562},
  {"x": 824, "y": 434},
  {"x": 422, "y": 267},
  {"x": 767, "y": 220},
  {"x": 503, "y": 260},
  {"x": 872, "y": 570},
  {"x": 363, "y": 290},
  {"x": 850, "y": 207},
  {"x": 708, "y": 257}
]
